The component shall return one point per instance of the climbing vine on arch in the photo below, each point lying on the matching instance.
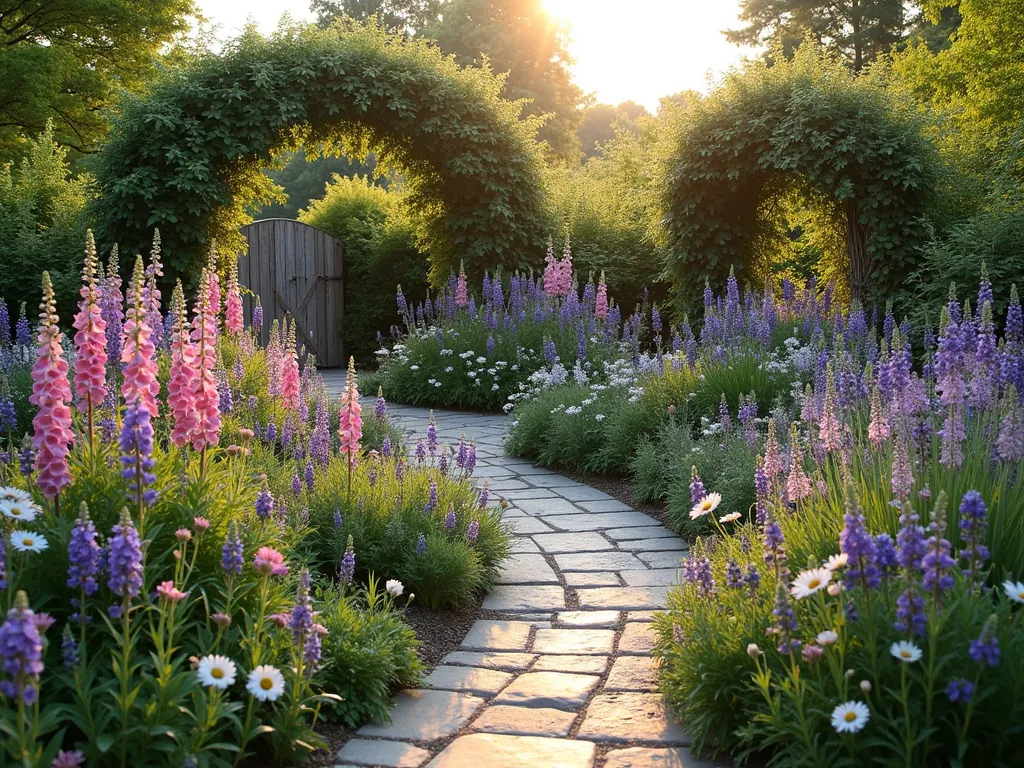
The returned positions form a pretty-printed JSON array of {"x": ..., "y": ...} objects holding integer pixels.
[
  {"x": 806, "y": 130},
  {"x": 187, "y": 156}
]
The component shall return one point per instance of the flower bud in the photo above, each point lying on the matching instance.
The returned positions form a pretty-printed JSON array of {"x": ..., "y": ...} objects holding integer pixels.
[
  {"x": 753, "y": 651},
  {"x": 865, "y": 686}
]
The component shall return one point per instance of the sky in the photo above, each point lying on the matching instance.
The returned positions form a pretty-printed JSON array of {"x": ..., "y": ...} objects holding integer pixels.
[{"x": 657, "y": 48}]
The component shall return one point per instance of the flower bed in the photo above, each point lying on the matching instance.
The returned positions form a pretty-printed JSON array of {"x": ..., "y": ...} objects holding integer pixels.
[{"x": 187, "y": 602}]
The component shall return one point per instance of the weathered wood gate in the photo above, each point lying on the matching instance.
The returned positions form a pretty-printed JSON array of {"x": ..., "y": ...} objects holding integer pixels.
[{"x": 297, "y": 270}]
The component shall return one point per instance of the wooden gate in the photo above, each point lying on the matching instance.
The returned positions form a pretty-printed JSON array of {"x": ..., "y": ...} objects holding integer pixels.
[{"x": 297, "y": 270}]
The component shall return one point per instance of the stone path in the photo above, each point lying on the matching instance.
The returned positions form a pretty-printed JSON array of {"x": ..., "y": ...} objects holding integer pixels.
[{"x": 558, "y": 670}]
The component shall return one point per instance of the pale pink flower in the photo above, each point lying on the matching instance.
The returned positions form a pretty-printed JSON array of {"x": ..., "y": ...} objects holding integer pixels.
[
  {"x": 52, "y": 436},
  {"x": 461, "y": 289},
  {"x": 269, "y": 561},
  {"x": 829, "y": 431},
  {"x": 878, "y": 428},
  {"x": 169, "y": 592},
  {"x": 204, "y": 337},
  {"x": 233, "y": 304},
  {"x": 91, "y": 336},
  {"x": 350, "y": 421},
  {"x": 291, "y": 387},
  {"x": 798, "y": 485},
  {"x": 773, "y": 464},
  {"x": 181, "y": 387},
  {"x": 138, "y": 353},
  {"x": 601, "y": 302}
]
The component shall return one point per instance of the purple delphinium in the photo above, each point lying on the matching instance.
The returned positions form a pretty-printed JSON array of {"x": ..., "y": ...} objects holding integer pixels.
[
  {"x": 380, "y": 407},
  {"x": 296, "y": 484},
  {"x": 723, "y": 415},
  {"x": 83, "y": 559},
  {"x": 310, "y": 474},
  {"x": 886, "y": 557},
  {"x": 338, "y": 521},
  {"x": 752, "y": 579},
  {"x": 136, "y": 444},
  {"x": 450, "y": 519},
  {"x": 385, "y": 448},
  {"x": 462, "y": 453},
  {"x": 69, "y": 652},
  {"x": 985, "y": 649},
  {"x": 697, "y": 490},
  {"x": 760, "y": 493},
  {"x": 937, "y": 563},
  {"x": 233, "y": 552},
  {"x": 3, "y": 562},
  {"x": 257, "y": 317},
  {"x": 124, "y": 559},
  {"x": 301, "y": 623},
  {"x": 911, "y": 541},
  {"x": 431, "y": 436},
  {"x": 432, "y": 497},
  {"x": 774, "y": 548},
  {"x": 21, "y": 652},
  {"x": 23, "y": 331},
  {"x": 270, "y": 434},
  {"x": 473, "y": 531},
  {"x": 421, "y": 452},
  {"x": 973, "y": 526},
  {"x": 858, "y": 544},
  {"x": 910, "y": 615},
  {"x": 421, "y": 544},
  {"x": 785, "y": 626},
  {"x": 5, "y": 324},
  {"x": 484, "y": 496},
  {"x": 470, "y": 464},
  {"x": 705, "y": 580},
  {"x": 264, "y": 504},
  {"x": 733, "y": 575},
  {"x": 347, "y": 570},
  {"x": 960, "y": 690}
]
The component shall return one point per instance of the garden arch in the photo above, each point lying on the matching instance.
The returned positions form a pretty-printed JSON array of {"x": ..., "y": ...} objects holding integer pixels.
[
  {"x": 807, "y": 125},
  {"x": 187, "y": 156}
]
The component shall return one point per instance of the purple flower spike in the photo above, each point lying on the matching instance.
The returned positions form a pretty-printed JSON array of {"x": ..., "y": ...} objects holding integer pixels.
[
  {"x": 124, "y": 559},
  {"x": 21, "y": 652}
]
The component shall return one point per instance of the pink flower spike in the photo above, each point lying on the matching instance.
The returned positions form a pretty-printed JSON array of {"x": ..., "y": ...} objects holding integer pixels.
[
  {"x": 461, "y": 289},
  {"x": 350, "y": 420},
  {"x": 52, "y": 436},
  {"x": 139, "y": 353},
  {"x": 167, "y": 591},
  {"x": 291, "y": 386},
  {"x": 601, "y": 302},
  {"x": 204, "y": 337},
  {"x": 182, "y": 383},
  {"x": 233, "y": 304},
  {"x": 91, "y": 336},
  {"x": 278, "y": 619}
]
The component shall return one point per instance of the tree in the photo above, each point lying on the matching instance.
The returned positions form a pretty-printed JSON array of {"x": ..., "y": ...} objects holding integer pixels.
[
  {"x": 601, "y": 122},
  {"x": 187, "y": 156},
  {"x": 303, "y": 178},
  {"x": 520, "y": 38},
  {"x": 859, "y": 30},
  {"x": 67, "y": 60},
  {"x": 399, "y": 16}
]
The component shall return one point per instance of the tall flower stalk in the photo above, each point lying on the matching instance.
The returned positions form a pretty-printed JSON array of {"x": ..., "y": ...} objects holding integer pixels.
[
  {"x": 350, "y": 422},
  {"x": 90, "y": 342},
  {"x": 139, "y": 353}
]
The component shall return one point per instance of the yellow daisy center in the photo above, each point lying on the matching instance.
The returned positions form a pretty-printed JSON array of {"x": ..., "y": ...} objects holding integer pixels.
[
  {"x": 850, "y": 716},
  {"x": 28, "y": 542},
  {"x": 216, "y": 673},
  {"x": 906, "y": 654},
  {"x": 814, "y": 583},
  {"x": 1021, "y": 594},
  {"x": 266, "y": 683},
  {"x": 705, "y": 505},
  {"x": 15, "y": 512}
]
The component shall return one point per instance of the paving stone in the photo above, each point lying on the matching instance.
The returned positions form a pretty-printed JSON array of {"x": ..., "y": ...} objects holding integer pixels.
[
  {"x": 581, "y": 642},
  {"x": 586, "y": 665},
  {"x": 656, "y": 577},
  {"x": 525, "y": 721},
  {"x": 386, "y": 754},
  {"x": 591, "y": 579},
  {"x": 516, "y": 599},
  {"x": 597, "y": 561},
  {"x": 561, "y": 543},
  {"x": 522, "y": 544},
  {"x": 646, "y": 757},
  {"x": 488, "y": 635},
  {"x": 509, "y": 662},
  {"x": 637, "y": 638},
  {"x": 630, "y": 717},
  {"x": 641, "y": 616},
  {"x": 552, "y": 506},
  {"x": 587, "y": 618},
  {"x": 508, "y": 485},
  {"x": 527, "y": 569},
  {"x": 480, "y": 682},
  {"x": 528, "y": 493},
  {"x": 555, "y": 690},
  {"x": 605, "y": 505},
  {"x": 425, "y": 715},
  {"x": 599, "y": 521},
  {"x": 525, "y": 526},
  {"x": 511, "y": 513},
  {"x": 623, "y": 598},
  {"x": 653, "y": 545},
  {"x": 648, "y": 532},
  {"x": 530, "y": 470},
  {"x": 632, "y": 673},
  {"x": 663, "y": 559},
  {"x": 583, "y": 493},
  {"x": 554, "y": 481},
  {"x": 491, "y": 750},
  {"x": 490, "y": 472}
]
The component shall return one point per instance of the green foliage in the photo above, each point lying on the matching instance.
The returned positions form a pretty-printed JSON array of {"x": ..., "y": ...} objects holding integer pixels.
[
  {"x": 520, "y": 38},
  {"x": 602, "y": 122},
  {"x": 68, "y": 61},
  {"x": 398, "y": 16},
  {"x": 379, "y": 241},
  {"x": 187, "y": 156},
  {"x": 303, "y": 179},
  {"x": 42, "y": 224},
  {"x": 807, "y": 125},
  {"x": 368, "y": 651}
]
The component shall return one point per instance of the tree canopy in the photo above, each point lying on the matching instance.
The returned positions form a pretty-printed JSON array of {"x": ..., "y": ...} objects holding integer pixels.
[
  {"x": 67, "y": 60},
  {"x": 399, "y": 16},
  {"x": 187, "y": 156},
  {"x": 806, "y": 126}
]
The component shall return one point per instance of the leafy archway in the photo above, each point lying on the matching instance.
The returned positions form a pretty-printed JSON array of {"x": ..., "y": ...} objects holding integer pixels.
[
  {"x": 187, "y": 156},
  {"x": 805, "y": 129}
]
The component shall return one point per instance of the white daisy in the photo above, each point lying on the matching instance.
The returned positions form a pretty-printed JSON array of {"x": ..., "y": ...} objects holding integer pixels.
[
  {"x": 905, "y": 652},
  {"x": 732, "y": 517},
  {"x": 26, "y": 541},
  {"x": 1014, "y": 590},
  {"x": 809, "y": 582},
  {"x": 835, "y": 588},
  {"x": 708, "y": 504},
  {"x": 24, "y": 511},
  {"x": 850, "y": 717},
  {"x": 14, "y": 494},
  {"x": 216, "y": 671},
  {"x": 266, "y": 683},
  {"x": 828, "y": 637},
  {"x": 394, "y": 587},
  {"x": 835, "y": 562}
]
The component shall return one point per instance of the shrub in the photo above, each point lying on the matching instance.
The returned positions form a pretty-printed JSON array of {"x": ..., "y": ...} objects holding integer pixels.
[{"x": 380, "y": 241}]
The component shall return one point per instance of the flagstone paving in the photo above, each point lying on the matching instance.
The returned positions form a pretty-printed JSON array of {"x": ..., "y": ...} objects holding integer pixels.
[{"x": 558, "y": 672}]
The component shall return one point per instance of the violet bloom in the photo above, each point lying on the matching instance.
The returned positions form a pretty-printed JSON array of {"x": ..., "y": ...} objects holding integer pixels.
[
  {"x": 985, "y": 650},
  {"x": 380, "y": 408},
  {"x": 470, "y": 463},
  {"x": 421, "y": 544},
  {"x": 124, "y": 559},
  {"x": 774, "y": 548},
  {"x": 450, "y": 520},
  {"x": 21, "y": 652},
  {"x": 752, "y": 579},
  {"x": 473, "y": 531},
  {"x": 733, "y": 575},
  {"x": 264, "y": 504},
  {"x": 910, "y": 615},
  {"x": 431, "y": 436},
  {"x": 785, "y": 626},
  {"x": 69, "y": 653},
  {"x": 697, "y": 490},
  {"x": 257, "y": 317},
  {"x": 233, "y": 552},
  {"x": 857, "y": 543},
  {"x": 760, "y": 493},
  {"x": 703, "y": 578},
  {"x": 973, "y": 526},
  {"x": 886, "y": 557},
  {"x": 296, "y": 484},
  {"x": 432, "y": 497},
  {"x": 421, "y": 452},
  {"x": 338, "y": 521},
  {"x": 484, "y": 496},
  {"x": 304, "y": 631},
  {"x": 136, "y": 443},
  {"x": 937, "y": 563},
  {"x": 911, "y": 541},
  {"x": 347, "y": 570},
  {"x": 65, "y": 759},
  {"x": 83, "y": 560},
  {"x": 3, "y": 562},
  {"x": 960, "y": 690},
  {"x": 385, "y": 447}
]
